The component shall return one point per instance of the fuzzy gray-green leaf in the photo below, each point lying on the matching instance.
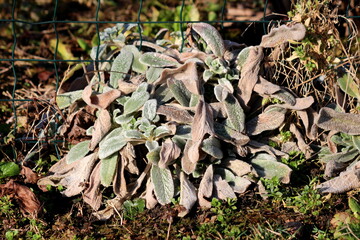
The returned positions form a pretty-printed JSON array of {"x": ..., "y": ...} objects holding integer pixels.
[
  {"x": 112, "y": 143},
  {"x": 356, "y": 142},
  {"x": 137, "y": 66},
  {"x": 152, "y": 74},
  {"x": 242, "y": 57},
  {"x": 66, "y": 99},
  {"x": 78, "y": 151},
  {"x": 163, "y": 184},
  {"x": 136, "y": 101},
  {"x": 120, "y": 67},
  {"x": 149, "y": 110},
  {"x": 235, "y": 113},
  {"x": 268, "y": 167},
  {"x": 179, "y": 91},
  {"x": 107, "y": 169},
  {"x": 158, "y": 60},
  {"x": 212, "y": 147},
  {"x": 211, "y": 36}
]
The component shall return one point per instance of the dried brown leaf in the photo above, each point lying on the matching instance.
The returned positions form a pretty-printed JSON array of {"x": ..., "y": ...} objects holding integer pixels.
[
  {"x": 238, "y": 167},
  {"x": 186, "y": 165},
  {"x": 255, "y": 147},
  {"x": 92, "y": 194},
  {"x": 330, "y": 119},
  {"x": 128, "y": 155},
  {"x": 28, "y": 202},
  {"x": 102, "y": 100},
  {"x": 346, "y": 181},
  {"x": 222, "y": 188},
  {"x": 250, "y": 74},
  {"x": 300, "y": 104},
  {"x": 169, "y": 153},
  {"x": 206, "y": 187},
  {"x": 269, "y": 120},
  {"x": 150, "y": 195},
  {"x": 187, "y": 73},
  {"x": 126, "y": 87},
  {"x": 305, "y": 148},
  {"x": 278, "y": 36},
  {"x": 308, "y": 117},
  {"x": 176, "y": 114},
  {"x": 72, "y": 176},
  {"x": 30, "y": 176},
  {"x": 264, "y": 87},
  {"x": 119, "y": 183},
  {"x": 101, "y": 128}
]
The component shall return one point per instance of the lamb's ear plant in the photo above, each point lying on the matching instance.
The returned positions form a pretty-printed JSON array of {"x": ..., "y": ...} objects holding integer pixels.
[{"x": 175, "y": 124}]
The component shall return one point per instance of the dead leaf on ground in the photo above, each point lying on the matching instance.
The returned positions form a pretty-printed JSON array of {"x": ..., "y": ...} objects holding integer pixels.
[
  {"x": 28, "y": 202},
  {"x": 206, "y": 187},
  {"x": 30, "y": 175},
  {"x": 71, "y": 176},
  {"x": 346, "y": 181}
]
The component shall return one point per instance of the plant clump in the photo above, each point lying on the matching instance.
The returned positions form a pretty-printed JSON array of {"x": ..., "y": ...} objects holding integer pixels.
[{"x": 178, "y": 122}]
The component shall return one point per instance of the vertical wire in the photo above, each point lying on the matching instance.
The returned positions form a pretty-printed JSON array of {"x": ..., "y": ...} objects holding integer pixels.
[
  {"x": 223, "y": 14},
  {"x": 264, "y": 24},
  {"x": 55, "y": 64},
  {"x": 14, "y": 71},
  {"x": 96, "y": 63},
  {"x": 181, "y": 24},
  {"x": 138, "y": 24}
]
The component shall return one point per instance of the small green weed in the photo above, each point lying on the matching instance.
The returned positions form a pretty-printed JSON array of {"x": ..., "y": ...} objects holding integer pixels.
[
  {"x": 272, "y": 186},
  {"x": 133, "y": 208},
  {"x": 308, "y": 200}
]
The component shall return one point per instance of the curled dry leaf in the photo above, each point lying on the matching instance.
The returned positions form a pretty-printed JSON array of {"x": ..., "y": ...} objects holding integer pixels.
[
  {"x": 187, "y": 194},
  {"x": 269, "y": 120},
  {"x": 92, "y": 194},
  {"x": 101, "y": 128},
  {"x": 330, "y": 119},
  {"x": 128, "y": 155},
  {"x": 169, "y": 153},
  {"x": 187, "y": 165},
  {"x": 206, "y": 187},
  {"x": 28, "y": 202},
  {"x": 176, "y": 114},
  {"x": 308, "y": 117},
  {"x": 346, "y": 181},
  {"x": 299, "y": 104},
  {"x": 203, "y": 124},
  {"x": 250, "y": 74},
  {"x": 126, "y": 87},
  {"x": 264, "y": 87},
  {"x": 186, "y": 73},
  {"x": 305, "y": 148},
  {"x": 222, "y": 188},
  {"x": 282, "y": 34},
  {"x": 30, "y": 175},
  {"x": 71, "y": 176},
  {"x": 102, "y": 100},
  {"x": 150, "y": 195}
]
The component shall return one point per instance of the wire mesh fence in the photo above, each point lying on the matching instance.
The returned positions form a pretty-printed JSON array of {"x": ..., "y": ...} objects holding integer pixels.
[{"x": 15, "y": 60}]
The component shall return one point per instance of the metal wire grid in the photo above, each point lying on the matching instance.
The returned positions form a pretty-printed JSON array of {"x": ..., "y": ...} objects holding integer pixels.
[{"x": 97, "y": 23}]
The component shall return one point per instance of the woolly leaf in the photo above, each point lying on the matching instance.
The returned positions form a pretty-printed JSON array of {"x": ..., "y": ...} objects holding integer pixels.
[
  {"x": 356, "y": 142},
  {"x": 163, "y": 184},
  {"x": 107, "y": 169},
  {"x": 78, "y": 151},
  {"x": 179, "y": 91},
  {"x": 211, "y": 36},
  {"x": 136, "y": 101},
  {"x": 152, "y": 74},
  {"x": 120, "y": 67},
  {"x": 154, "y": 155},
  {"x": 66, "y": 99},
  {"x": 242, "y": 57},
  {"x": 212, "y": 147},
  {"x": 149, "y": 110},
  {"x": 112, "y": 143},
  {"x": 158, "y": 60},
  {"x": 268, "y": 167},
  {"x": 133, "y": 135},
  {"x": 235, "y": 113},
  {"x": 137, "y": 66}
]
